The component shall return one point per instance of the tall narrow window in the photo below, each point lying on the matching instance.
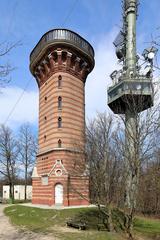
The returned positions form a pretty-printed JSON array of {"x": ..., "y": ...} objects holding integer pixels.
[
  {"x": 59, "y": 102},
  {"x": 59, "y": 122},
  {"x": 59, "y": 143},
  {"x": 59, "y": 81},
  {"x": 45, "y": 138}
]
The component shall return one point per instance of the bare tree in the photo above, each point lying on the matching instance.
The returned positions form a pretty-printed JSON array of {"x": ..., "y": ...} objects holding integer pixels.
[
  {"x": 8, "y": 157},
  {"x": 28, "y": 150},
  {"x": 104, "y": 164},
  {"x": 149, "y": 187},
  {"x": 5, "y": 67},
  {"x": 116, "y": 172},
  {"x": 137, "y": 144}
]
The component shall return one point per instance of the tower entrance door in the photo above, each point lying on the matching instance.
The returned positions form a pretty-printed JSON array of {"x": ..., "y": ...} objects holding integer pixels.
[{"x": 59, "y": 194}]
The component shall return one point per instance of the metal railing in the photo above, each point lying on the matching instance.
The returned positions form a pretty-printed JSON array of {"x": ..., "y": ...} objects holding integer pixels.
[
  {"x": 139, "y": 87},
  {"x": 62, "y": 35}
]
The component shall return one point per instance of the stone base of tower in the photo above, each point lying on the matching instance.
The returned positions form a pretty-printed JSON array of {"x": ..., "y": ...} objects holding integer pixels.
[{"x": 61, "y": 191}]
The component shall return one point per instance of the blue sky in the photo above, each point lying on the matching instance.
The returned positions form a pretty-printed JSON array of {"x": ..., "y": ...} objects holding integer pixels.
[{"x": 96, "y": 20}]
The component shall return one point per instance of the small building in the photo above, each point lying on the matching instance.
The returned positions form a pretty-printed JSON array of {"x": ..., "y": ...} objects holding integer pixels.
[{"x": 19, "y": 191}]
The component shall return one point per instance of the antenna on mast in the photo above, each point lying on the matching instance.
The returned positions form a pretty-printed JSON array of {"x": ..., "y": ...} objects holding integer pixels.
[{"x": 129, "y": 76}]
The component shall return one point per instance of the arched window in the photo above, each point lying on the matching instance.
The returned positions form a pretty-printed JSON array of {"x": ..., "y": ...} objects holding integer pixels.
[
  {"x": 59, "y": 81},
  {"x": 45, "y": 137},
  {"x": 59, "y": 143},
  {"x": 59, "y": 102},
  {"x": 59, "y": 122}
]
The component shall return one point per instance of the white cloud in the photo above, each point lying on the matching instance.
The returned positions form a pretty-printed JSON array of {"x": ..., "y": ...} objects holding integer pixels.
[
  {"x": 26, "y": 110},
  {"x": 98, "y": 81}
]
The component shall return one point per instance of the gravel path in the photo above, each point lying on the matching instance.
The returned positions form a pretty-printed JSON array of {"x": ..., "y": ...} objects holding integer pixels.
[{"x": 9, "y": 232}]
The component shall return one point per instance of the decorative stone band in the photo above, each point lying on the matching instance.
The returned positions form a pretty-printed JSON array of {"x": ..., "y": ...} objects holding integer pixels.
[{"x": 59, "y": 150}]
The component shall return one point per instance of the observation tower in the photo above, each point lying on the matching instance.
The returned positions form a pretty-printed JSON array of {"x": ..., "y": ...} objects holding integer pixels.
[{"x": 61, "y": 62}]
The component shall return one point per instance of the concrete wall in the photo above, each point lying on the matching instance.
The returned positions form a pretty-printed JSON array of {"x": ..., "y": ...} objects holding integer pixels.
[{"x": 18, "y": 192}]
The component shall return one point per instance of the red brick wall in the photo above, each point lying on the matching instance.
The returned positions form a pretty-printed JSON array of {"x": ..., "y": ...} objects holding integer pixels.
[
  {"x": 75, "y": 191},
  {"x": 73, "y": 72}
]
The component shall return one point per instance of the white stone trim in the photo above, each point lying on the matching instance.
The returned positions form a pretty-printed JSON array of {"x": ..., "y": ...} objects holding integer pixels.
[
  {"x": 35, "y": 173},
  {"x": 54, "y": 167}
]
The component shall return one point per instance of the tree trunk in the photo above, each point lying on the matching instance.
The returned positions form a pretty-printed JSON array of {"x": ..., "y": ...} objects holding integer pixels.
[
  {"x": 10, "y": 190},
  {"x": 110, "y": 222},
  {"x": 25, "y": 187}
]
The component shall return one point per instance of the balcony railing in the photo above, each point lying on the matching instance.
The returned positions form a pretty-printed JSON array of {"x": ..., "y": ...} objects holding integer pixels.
[
  {"x": 141, "y": 86},
  {"x": 62, "y": 35}
]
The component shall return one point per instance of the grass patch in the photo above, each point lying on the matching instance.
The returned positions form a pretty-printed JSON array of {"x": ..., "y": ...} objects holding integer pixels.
[
  {"x": 38, "y": 219},
  {"x": 54, "y": 221},
  {"x": 34, "y": 219},
  {"x": 147, "y": 226},
  {"x": 89, "y": 235},
  {"x": 47, "y": 221}
]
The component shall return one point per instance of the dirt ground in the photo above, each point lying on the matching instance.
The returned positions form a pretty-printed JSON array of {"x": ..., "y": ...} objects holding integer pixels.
[{"x": 9, "y": 232}]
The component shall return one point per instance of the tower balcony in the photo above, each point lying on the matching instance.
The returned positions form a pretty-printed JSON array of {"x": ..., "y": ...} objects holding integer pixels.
[
  {"x": 61, "y": 38},
  {"x": 135, "y": 94}
]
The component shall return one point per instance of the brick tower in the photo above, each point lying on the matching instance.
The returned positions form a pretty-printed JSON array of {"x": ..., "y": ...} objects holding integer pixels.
[{"x": 60, "y": 62}]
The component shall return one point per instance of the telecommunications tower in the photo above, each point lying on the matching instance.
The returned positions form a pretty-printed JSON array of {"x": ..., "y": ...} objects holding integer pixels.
[{"x": 131, "y": 91}]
